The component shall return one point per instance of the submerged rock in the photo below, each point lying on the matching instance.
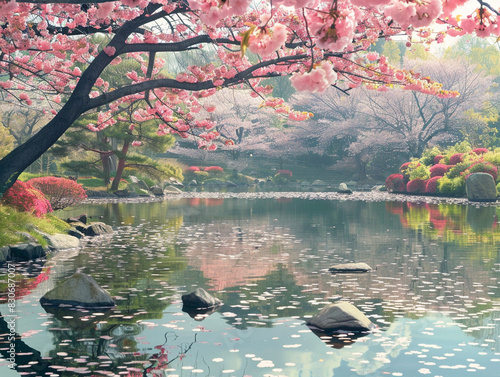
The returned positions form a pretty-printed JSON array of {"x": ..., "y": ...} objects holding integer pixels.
[
  {"x": 199, "y": 314},
  {"x": 78, "y": 290},
  {"x": 199, "y": 299},
  {"x": 350, "y": 267},
  {"x": 340, "y": 316}
]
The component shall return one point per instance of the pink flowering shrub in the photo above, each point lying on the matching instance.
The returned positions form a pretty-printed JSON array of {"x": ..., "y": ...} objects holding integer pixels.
[
  {"x": 192, "y": 169},
  {"x": 438, "y": 170},
  {"x": 24, "y": 197},
  {"x": 395, "y": 183},
  {"x": 60, "y": 192},
  {"x": 456, "y": 158},
  {"x": 480, "y": 151},
  {"x": 416, "y": 186},
  {"x": 213, "y": 169},
  {"x": 431, "y": 186}
]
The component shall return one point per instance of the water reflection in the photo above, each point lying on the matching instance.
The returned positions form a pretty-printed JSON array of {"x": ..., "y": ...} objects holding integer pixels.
[{"x": 434, "y": 291}]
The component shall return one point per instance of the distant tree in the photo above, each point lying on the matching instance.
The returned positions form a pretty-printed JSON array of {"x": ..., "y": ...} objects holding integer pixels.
[
  {"x": 368, "y": 128},
  {"x": 22, "y": 122},
  {"x": 6, "y": 141}
]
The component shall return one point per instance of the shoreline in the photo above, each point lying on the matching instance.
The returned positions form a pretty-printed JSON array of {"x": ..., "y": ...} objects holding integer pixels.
[{"x": 367, "y": 196}]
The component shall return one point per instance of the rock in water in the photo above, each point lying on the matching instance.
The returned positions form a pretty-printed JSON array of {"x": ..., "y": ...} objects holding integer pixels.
[
  {"x": 480, "y": 187},
  {"x": 26, "y": 251},
  {"x": 78, "y": 290},
  {"x": 200, "y": 299},
  {"x": 97, "y": 229},
  {"x": 340, "y": 316},
  {"x": 350, "y": 267},
  {"x": 63, "y": 241}
]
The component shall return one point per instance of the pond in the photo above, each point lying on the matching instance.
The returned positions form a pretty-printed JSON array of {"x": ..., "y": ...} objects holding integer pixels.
[{"x": 434, "y": 293}]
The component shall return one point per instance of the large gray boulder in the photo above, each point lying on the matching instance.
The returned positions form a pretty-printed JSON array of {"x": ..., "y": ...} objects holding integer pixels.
[
  {"x": 97, "y": 229},
  {"x": 63, "y": 241},
  {"x": 350, "y": 267},
  {"x": 200, "y": 299},
  {"x": 340, "y": 316},
  {"x": 27, "y": 251},
  {"x": 480, "y": 187},
  {"x": 78, "y": 290}
]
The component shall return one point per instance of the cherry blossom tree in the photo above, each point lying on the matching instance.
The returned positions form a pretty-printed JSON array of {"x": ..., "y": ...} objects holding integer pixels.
[
  {"x": 367, "y": 126},
  {"x": 49, "y": 53}
]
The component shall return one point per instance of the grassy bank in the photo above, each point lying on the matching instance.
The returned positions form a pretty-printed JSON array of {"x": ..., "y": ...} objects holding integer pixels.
[{"x": 14, "y": 223}]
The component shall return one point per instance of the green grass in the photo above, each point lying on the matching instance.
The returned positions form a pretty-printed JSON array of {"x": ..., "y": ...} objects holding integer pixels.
[
  {"x": 12, "y": 221},
  {"x": 24, "y": 176},
  {"x": 94, "y": 183}
]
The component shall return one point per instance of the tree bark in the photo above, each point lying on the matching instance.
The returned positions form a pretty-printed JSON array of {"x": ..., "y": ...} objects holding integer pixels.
[{"x": 120, "y": 167}]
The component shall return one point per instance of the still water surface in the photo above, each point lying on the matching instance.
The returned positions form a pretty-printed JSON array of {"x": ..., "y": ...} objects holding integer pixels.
[{"x": 434, "y": 293}]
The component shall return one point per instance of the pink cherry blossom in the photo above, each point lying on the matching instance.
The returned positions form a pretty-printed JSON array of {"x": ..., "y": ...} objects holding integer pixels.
[{"x": 318, "y": 80}]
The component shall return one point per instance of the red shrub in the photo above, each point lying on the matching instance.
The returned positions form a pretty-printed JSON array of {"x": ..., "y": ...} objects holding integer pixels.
[
  {"x": 403, "y": 167},
  {"x": 438, "y": 158},
  {"x": 456, "y": 158},
  {"x": 438, "y": 170},
  {"x": 480, "y": 150},
  {"x": 192, "y": 169},
  {"x": 24, "y": 197},
  {"x": 395, "y": 183},
  {"x": 60, "y": 192},
  {"x": 285, "y": 172},
  {"x": 416, "y": 186},
  {"x": 430, "y": 187},
  {"x": 213, "y": 168}
]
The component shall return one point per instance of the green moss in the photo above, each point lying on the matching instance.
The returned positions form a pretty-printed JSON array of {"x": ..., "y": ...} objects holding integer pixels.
[{"x": 12, "y": 222}]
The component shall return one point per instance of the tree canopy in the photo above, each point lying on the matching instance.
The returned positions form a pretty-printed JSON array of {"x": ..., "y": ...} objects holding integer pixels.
[{"x": 55, "y": 54}]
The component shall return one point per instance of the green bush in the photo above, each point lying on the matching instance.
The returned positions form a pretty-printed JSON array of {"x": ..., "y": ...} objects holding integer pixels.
[
  {"x": 455, "y": 171},
  {"x": 201, "y": 176},
  {"x": 420, "y": 172},
  {"x": 428, "y": 156},
  {"x": 452, "y": 186}
]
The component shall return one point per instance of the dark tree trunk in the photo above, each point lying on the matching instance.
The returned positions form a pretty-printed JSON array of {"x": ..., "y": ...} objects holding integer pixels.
[{"x": 120, "y": 167}]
